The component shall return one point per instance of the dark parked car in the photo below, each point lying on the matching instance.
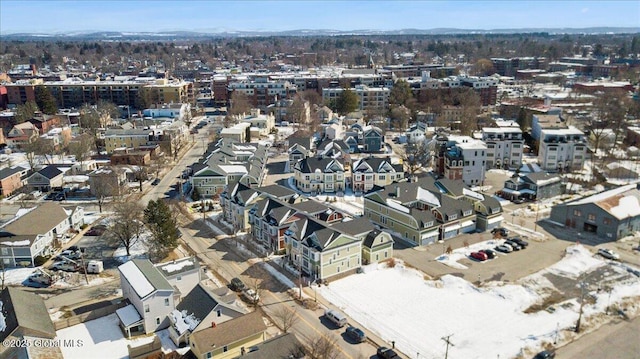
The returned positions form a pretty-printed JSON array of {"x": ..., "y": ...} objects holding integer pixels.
[
  {"x": 522, "y": 243},
  {"x": 500, "y": 231},
  {"x": 386, "y": 353},
  {"x": 545, "y": 354},
  {"x": 481, "y": 256},
  {"x": 96, "y": 230},
  {"x": 490, "y": 254},
  {"x": 356, "y": 334},
  {"x": 236, "y": 285},
  {"x": 155, "y": 182}
]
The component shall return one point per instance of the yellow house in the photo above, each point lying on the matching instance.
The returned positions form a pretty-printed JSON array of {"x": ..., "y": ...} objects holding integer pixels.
[
  {"x": 134, "y": 138},
  {"x": 229, "y": 339}
]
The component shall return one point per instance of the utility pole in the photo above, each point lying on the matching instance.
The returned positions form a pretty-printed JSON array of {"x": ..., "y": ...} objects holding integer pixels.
[
  {"x": 582, "y": 284},
  {"x": 446, "y": 340}
]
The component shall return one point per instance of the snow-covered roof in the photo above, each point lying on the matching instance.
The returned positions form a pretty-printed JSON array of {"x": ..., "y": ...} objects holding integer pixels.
[
  {"x": 183, "y": 321},
  {"x": 604, "y": 195},
  {"x": 428, "y": 197},
  {"x": 177, "y": 266},
  {"x": 472, "y": 194},
  {"x": 397, "y": 205},
  {"x": 136, "y": 278},
  {"x": 128, "y": 315},
  {"x": 628, "y": 206},
  {"x": 24, "y": 243}
]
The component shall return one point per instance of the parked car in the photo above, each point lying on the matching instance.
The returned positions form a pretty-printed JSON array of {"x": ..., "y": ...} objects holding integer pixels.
[
  {"x": 504, "y": 248},
  {"x": 608, "y": 253},
  {"x": 236, "y": 285},
  {"x": 67, "y": 253},
  {"x": 356, "y": 334},
  {"x": 42, "y": 277},
  {"x": 490, "y": 254},
  {"x": 481, "y": 256},
  {"x": 386, "y": 353},
  {"x": 336, "y": 318},
  {"x": 514, "y": 245},
  {"x": 155, "y": 182},
  {"x": 521, "y": 242},
  {"x": 500, "y": 231},
  {"x": 518, "y": 201},
  {"x": 250, "y": 296},
  {"x": 545, "y": 354},
  {"x": 65, "y": 266},
  {"x": 96, "y": 230}
]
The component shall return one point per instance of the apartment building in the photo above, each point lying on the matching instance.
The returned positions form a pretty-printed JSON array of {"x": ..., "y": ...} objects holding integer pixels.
[
  {"x": 320, "y": 175},
  {"x": 133, "y": 138},
  {"x": 461, "y": 158},
  {"x": 504, "y": 147},
  {"x": 562, "y": 150},
  {"x": 261, "y": 90},
  {"x": 541, "y": 122},
  {"x": 369, "y": 98},
  {"x": 369, "y": 172}
]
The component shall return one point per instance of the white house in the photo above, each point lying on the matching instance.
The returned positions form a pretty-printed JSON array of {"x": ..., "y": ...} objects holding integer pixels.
[
  {"x": 183, "y": 274},
  {"x": 504, "y": 147},
  {"x": 562, "y": 149},
  {"x": 150, "y": 294}
]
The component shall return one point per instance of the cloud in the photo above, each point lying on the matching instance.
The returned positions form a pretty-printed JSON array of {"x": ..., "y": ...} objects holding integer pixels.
[{"x": 585, "y": 10}]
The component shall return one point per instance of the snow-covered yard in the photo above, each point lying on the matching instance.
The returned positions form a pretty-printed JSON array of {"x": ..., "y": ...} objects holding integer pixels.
[
  {"x": 484, "y": 321},
  {"x": 103, "y": 337}
]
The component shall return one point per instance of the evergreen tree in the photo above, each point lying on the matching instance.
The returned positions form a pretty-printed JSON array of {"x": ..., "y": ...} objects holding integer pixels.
[
  {"x": 163, "y": 226},
  {"x": 347, "y": 102},
  {"x": 25, "y": 112},
  {"x": 45, "y": 100}
]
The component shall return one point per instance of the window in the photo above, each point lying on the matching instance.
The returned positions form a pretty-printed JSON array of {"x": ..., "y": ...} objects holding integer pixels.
[
  {"x": 591, "y": 217},
  {"x": 219, "y": 312},
  {"x": 382, "y": 177},
  {"x": 179, "y": 278},
  {"x": 225, "y": 349},
  {"x": 606, "y": 221},
  {"x": 146, "y": 308},
  {"x": 157, "y": 320},
  {"x": 209, "y": 355},
  {"x": 577, "y": 213}
]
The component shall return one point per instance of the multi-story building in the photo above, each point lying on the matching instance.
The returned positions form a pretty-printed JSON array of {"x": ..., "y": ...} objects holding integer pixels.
[
  {"x": 133, "y": 138},
  {"x": 510, "y": 66},
  {"x": 461, "y": 158},
  {"x": 369, "y": 98},
  {"x": 262, "y": 91},
  {"x": 166, "y": 91},
  {"x": 11, "y": 180},
  {"x": 541, "y": 122},
  {"x": 429, "y": 210},
  {"x": 320, "y": 175},
  {"x": 369, "y": 172},
  {"x": 505, "y": 146},
  {"x": 562, "y": 150},
  {"x": 485, "y": 87}
]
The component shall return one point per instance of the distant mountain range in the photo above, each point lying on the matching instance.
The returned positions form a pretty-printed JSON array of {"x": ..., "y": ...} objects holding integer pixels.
[{"x": 187, "y": 35}]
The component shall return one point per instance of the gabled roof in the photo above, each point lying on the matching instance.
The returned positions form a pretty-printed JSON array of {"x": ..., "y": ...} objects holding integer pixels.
[
  {"x": 281, "y": 347},
  {"x": 356, "y": 227},
  {"x": 371, "y": 237},
  {"x": 277, "y": 191},
  {"x": 40, "y": 220},
  {"x": 311, "y": 164},
  {"x": 200, "y": 302},
  {"x": 9, "y": 171},
  {"x": 25, "y": 310},
  {"x": 310, "y": 207},
  {"x": 50, "y": 172},
  {"x": 541, "y": 178},
  {"x": 144, "y": 277},
  {"x": 376, "y": 165},
  {"x": 229, "y": 332}
]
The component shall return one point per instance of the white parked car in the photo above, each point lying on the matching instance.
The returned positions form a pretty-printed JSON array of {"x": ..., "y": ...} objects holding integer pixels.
[
  {"x": 250, "y": 296},
  {"x": 608, "y": 253}
]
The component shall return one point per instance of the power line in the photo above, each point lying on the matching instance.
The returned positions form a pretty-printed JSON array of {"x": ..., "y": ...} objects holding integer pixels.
[{"x": 446, "y": 340}]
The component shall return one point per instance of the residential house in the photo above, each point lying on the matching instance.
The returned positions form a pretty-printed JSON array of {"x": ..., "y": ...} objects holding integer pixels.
[
  {"x": 505, "y": 146},
  {"x": 429, "y": 210},
  {"x": 320, "y": 251},
  {"x": 229, "y": 339},
  {"x": 337, "y": 149},
  {"x": 533, "y": 186},
  {"x": 239, "y": 132},
  {"x": 562, "y": 150},
  {"x": 25, "y": 317},
  {"x": 172, "y": 111},
  {"x": 22, "y": 134},
  {"x": 320, "y": 175},
  {"x": 131, "y": 157},
  {"x": 377, "y": 246},
  {"x": 461, "y": 158},
  {"x": 33, "y": 233},
  {"x": 372, "y": 171},
  {"x": 372, "y": 140},
  {"x": 608, "y": 216},
  {"x": 107, "y": 181},
  {"x": 201, "y": 308},
  {"x": 47, "y": 178},
  {"x": 134, "y": 138},
  {"x": 46, "y": 123},
  {"x": 265, "y": 123},
  {"x": 151, "y": 296},
  {"x": 416, "y": 133},
  {"x": 285, "y": 346},
  {"x": 298, "y": 148},
  {"x": 58, "y": 137},
  {"x": 183, "y": 274},
  {"x": 10, "y": 180}
]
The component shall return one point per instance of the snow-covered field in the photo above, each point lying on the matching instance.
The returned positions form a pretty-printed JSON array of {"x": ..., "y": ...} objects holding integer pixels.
[
  {"x": 485, "y": 321},
  {"x": 103, "y": 338}
]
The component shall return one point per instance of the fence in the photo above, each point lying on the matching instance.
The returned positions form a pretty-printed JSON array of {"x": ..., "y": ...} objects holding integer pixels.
[{"x": 91, "y": 315}]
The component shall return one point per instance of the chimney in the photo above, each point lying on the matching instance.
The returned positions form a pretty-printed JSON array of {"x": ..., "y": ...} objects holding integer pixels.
[{"x": 397, "y": 191}]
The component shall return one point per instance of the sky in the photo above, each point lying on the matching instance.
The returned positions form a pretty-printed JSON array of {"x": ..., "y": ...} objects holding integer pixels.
[{"x": 55, "y": 16}]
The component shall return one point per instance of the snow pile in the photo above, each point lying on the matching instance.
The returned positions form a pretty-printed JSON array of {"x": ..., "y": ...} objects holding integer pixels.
[
  {"x": 174, "y": 267},
  {"x": 183, "y": 321},
  {"x": 138, "y": 249},
  {"x": 577, "y": 261},
  {"x": 486, "y": 322},
  {"x": 279, "y": 276},
  {"x": 16, "y": 275}
]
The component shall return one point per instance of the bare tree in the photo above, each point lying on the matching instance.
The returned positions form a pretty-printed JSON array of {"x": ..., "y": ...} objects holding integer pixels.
[
  {"x": 127, "y": 224},
  {"x": 286, "y": 317},
  {"x": 416, "y": 158},
  {"x": 81, "y": 147},
  {"x": 30, "y": 155},
  {"x": 103, "y": 188},
  {"x": 44, "y": 148},
  {"x": 323, "y": 347}
]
